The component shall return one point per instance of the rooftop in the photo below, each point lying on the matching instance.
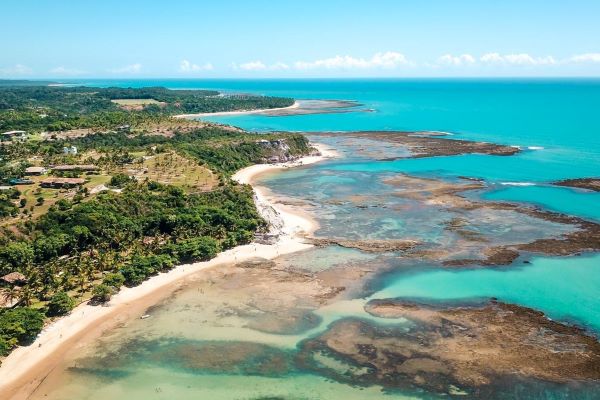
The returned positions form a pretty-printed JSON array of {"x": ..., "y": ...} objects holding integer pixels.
[
  {"x": 14, "y": 277},
  {"x": 35, "y": 170},
  {"x": 10, "y": 133},
  {"x": 83, "y": 167},
  {"x": 62, "y": 181}
]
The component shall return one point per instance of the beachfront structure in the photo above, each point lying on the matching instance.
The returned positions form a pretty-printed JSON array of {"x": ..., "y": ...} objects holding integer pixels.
[
  {"x": 62, "y": 183},
  {"x": 35, "y": 171},
  {"x": 70, "y": 150},
  {"x": 14, "y": 278},
  {"x": 76, "y": 167},
  {"x": 14, "y": 135},
  {"x": 20, "y": 181}
]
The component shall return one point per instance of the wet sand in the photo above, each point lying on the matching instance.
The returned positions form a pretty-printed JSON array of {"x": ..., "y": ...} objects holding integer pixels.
[
  {"x": 26, "y": 367},
  {"x": 241, "y": 112},
  {"x": 300, "y": 107}
]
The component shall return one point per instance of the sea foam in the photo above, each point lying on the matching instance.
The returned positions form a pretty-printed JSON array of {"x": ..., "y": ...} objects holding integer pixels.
[{"x": 517, "y": 183}]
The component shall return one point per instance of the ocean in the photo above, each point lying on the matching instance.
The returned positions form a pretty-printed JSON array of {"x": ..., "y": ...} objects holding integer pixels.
[{"x": 554, "y": 121}]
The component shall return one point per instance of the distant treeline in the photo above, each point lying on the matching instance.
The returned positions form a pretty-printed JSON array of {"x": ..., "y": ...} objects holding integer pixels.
[{"x": 59, "y": 108}]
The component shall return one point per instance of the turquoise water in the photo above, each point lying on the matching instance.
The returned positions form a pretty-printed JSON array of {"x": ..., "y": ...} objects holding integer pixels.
[
  {"x": 556, "y": 118},
  {"x": 563, "y": 287},
  {"x": 571, "y": 201}
]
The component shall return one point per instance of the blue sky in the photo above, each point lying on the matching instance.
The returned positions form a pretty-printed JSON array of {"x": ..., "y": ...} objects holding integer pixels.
[{"x": 327, "y": 38}]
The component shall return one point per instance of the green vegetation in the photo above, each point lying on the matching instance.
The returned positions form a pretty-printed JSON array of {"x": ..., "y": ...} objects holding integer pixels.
[
  {"x": 52, "y": 108},
  {"x": 18, "y": 327},
  {"x": 120, "y": 180},
  {"x": 7, "y": 205},
  {"x": 171, "y": 200},
  {"x": 60, "y": 304},
  {"x": 102, "y": 293}
]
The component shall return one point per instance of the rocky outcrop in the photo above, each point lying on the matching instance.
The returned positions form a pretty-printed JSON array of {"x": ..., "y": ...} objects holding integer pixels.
[
  {"x": 368, "y": 245},
  {"x": 454, "y": 349},
  {"x": 429, "y": 144},
  {"x": 581, "y": 183}
]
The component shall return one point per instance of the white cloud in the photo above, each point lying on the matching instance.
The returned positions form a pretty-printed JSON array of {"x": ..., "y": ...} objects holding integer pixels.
[
  {"x": 585, "y": 58},
  {"x": 65, "y": 71},
  {"x": 522, "y": 59},
  {"x": 186, "y": 66},
  {"x": 463, "y": 59},
  {"x": 253, "y": 66},
  {"x": 261, "y": 66},
  {"x": 128, "y": 69},
  {"x": 17, "y": 69},
  {"x": 278, "y": 66},
  {"x": 388, "y": 59}
]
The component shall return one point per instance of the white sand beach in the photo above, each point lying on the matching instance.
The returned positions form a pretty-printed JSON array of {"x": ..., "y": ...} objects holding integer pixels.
[
  {"x": 240, "y": 112},
  {"x": 25, "y": 368}
]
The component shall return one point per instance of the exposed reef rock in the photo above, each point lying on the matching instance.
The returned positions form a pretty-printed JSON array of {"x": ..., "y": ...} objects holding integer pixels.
[
  {"x": 368, "y": 245},
  {"x": 581, "y": 183},
  {"x": 428, "y": 144},
  {"x": 450, "y": 350},
  {"x": 307, "y": 107},
  {"x": 584, "y": 235}
]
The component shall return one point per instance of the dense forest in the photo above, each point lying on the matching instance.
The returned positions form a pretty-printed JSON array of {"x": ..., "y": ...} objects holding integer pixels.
[
  {"x": 58, "y": 108},
  {"x": 84, "y": 246}
]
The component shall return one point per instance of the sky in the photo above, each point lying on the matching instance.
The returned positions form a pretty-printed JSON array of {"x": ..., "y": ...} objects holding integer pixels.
[{"x": 299, "y": 39}]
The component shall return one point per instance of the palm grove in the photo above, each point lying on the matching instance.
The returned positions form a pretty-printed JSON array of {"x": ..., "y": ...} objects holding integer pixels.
[{"x": 87, "y": 245}]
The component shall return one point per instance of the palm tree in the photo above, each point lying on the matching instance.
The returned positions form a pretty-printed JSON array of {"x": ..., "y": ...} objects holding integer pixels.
[
  {"x": 26, "y": 294},
  {"x": 9, "y": 295}
]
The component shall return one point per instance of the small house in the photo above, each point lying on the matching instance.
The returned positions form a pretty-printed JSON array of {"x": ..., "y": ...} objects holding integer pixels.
[
  {"x": 62, "y": 183},
  {"x": 14, "y": 135},
  {"x": 76, "y": 167},
  {"x": 35, "y": 171},
  {"x": 14, "y": 278},
  {"x": 20, "y": 181}
]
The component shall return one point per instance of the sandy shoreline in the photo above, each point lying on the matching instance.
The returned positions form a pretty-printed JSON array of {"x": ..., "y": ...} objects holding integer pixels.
[
  {"x": 241, "y": 112},
  {"x": 26, "y": 367}
]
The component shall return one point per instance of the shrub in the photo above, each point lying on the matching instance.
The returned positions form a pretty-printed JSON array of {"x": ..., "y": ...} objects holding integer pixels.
[
  {"x": 60, "y": 304},
  {"x": 142, "y": 267},
  {"x": 120, "y": 180},
  {"x": 195, "y": 249},
  {"x": 114, "y": 280},
  {"x": 102, "y": 293},
  {"x": 19, "y": 326},
  {"x": 63, "y": 204}
]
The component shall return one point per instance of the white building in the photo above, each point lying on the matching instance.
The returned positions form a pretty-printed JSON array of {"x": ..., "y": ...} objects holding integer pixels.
[{"x": 70, "y": 150}]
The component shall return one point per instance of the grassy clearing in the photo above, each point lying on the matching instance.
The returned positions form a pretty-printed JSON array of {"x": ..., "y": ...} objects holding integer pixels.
[
  {"x": 172, "y": 169},
  {"x": 135, "y": 102},
  {"x": 33, "y": 192}
]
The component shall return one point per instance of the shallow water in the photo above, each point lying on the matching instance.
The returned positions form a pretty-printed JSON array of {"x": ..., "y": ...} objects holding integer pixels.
[
  {"x": 209, "y": 340},
  {"x": 564, "y": 288}
]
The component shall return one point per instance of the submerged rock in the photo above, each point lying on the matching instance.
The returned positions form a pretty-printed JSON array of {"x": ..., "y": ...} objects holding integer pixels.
[
  {"x": 581, "y": 183},
  {"x": 368, "y": 245},
  {"x": 451, "y": 349}
]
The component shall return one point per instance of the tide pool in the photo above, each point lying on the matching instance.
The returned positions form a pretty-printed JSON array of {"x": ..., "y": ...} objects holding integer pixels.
[
  {"x": 564, "y": 288},
  {"x": 554, "y": 121},
  {"x": 585, "y": 204}
]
